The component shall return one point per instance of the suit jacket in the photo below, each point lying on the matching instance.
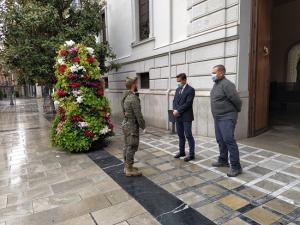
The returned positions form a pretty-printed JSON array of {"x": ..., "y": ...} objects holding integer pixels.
[{"x": 183, "y": 103}]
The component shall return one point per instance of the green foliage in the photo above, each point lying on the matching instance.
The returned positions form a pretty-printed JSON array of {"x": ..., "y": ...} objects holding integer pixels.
[
  {"x": 33, "y": 29},
  {"x": 83, "y": 110}
]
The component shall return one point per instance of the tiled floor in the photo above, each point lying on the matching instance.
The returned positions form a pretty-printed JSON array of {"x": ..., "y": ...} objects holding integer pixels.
[
  {"x": 40, "y": 185},
  {"x": 268, "y": 192}
]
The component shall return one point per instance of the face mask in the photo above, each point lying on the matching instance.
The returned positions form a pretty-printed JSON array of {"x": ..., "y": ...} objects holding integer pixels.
[
  {"x": 214, "y": 77},
  {"x": 179, "y": 85}
]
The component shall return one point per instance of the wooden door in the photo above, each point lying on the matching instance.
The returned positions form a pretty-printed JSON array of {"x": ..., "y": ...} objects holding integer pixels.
[{"x": 260, "y": 66}]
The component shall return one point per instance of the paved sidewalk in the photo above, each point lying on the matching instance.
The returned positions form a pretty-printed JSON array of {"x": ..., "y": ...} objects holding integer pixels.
[
  {"x": 40, "y": 185},
  {"x": 268, "y": 192}
]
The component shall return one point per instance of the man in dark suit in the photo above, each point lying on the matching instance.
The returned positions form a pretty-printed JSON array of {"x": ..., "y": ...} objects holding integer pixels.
[{"x": 183, "y": 112}]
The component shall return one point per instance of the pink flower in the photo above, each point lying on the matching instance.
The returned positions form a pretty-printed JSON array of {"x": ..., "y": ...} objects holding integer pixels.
[{"x": 73, "y": 50}]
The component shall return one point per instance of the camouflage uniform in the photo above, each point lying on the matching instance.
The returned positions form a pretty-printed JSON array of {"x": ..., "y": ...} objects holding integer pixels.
[{"x": 133, "y": 120}]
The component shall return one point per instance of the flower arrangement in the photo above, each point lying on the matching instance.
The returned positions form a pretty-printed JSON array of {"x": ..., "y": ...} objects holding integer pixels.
[{"x": 83, "y": 112}]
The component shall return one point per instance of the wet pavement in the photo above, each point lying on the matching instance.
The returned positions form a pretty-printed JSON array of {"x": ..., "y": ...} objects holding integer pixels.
[{"x": 40, "y": 185}]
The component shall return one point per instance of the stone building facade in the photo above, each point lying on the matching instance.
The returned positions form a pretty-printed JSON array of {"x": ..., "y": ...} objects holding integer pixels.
[{"x": 191, "y": 36}]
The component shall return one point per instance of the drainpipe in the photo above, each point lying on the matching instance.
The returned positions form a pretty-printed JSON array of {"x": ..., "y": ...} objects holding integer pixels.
[{"x": 170, "y": 66}]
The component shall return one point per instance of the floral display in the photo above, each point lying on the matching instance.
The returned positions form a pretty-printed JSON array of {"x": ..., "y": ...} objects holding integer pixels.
[{"x": 83, "y": 112}]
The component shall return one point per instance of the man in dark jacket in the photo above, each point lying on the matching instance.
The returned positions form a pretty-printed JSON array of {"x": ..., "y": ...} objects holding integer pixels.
[
  {"x": 225, "y": 105},
  {"x": 183, "y": 112}
]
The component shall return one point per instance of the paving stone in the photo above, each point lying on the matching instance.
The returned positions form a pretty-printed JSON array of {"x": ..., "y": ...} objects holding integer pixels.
[
  {"x": 118, "y": 213},
  {"x": 212, "y": 211},
  {"x": 293, "y": 195},
  {"x": 82, "y": 220},
  {"x": 283, "y": 178},
  {"x": 143, "y": 219},
  {"x": 268, "y": 185},
  {"x": 229, "y": 184},
  {"x": 234, "y": 202},
  {"x": 251, "y": 193},
  {"x": 295, "y": 171},
  {"x": 280, "y": 206},
  {"x": 260, "y": 170},
  {"x": 43, "y": 204},
  {"x": 253, "y": 158},
  {"x": 262, "y": 216},
  {"x": 211, "y": 190},
  {"x": 191, "y": 198},
  {"x": 69, "y": 185},
  {"x": 164, "y": 167},
  {"x": 117, "y": 196},
  {"x": 236, "y": 221}
]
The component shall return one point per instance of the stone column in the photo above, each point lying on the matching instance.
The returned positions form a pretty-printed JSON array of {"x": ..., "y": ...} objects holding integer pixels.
[{"x": 38, "y": 91}]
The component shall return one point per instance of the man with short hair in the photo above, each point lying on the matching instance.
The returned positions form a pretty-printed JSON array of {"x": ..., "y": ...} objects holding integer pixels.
[
  {"x": 133, "y": 121},
  {"x": 225, "y": 105},
  {"x": 183, "y": 112}
]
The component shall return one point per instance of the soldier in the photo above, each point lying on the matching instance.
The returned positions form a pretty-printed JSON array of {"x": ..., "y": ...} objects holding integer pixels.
[{"x": 133, "y": 120}]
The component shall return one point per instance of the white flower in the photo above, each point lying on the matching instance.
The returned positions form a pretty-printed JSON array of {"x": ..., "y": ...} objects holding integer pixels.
[
  {"x": 56, "y": 104},
  {"x": 83, "y": 124},
  {"x": 90, "y": 50},
  {"x": 79, "y": 99},
  {"x": 105, "y": 130},
  {"x": 69, "y": 43},
  {"x": 76, "y": 93},
  {"x": 61, "y": 61},
  {"x": 75, "y": 68}
]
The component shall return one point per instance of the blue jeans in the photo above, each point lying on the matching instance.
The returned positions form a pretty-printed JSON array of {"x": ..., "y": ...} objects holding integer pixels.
[
  {"x": 225, "y": 137},
  {"x": 184, "y": 131}
]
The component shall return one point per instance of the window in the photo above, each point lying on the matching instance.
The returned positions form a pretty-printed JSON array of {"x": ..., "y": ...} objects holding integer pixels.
[
  {"x": 103, "y": 28},
  {"x": 144, "y": 80},
  {"x": 144, "y": 27}
]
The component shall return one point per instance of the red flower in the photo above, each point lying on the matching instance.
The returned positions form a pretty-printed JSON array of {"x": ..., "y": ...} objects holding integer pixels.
[
  {"x": 75, "y": 84},
  {"x": 62, "y": 68},
  {"x": 61, "y": 93},
  {"x": 86, "y": 77},
  {"x": 61, "y": 110},
  {"x": 77, "y": 118},
  {"x": 88, "y": 133},
  {"x": 100, "y": 92},
  {"x": 76, "y": 59},
  {"x": 62, "y": 118},
  {"x": 62, "y": 52},
  {"x": 91, "y": 59},
  {"x": 71, "y": 76}
]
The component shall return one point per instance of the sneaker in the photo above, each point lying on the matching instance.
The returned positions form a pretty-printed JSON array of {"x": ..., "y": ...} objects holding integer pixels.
[
  {"x": 234, "y": 172},
  {"x": 219, "y": 164}
]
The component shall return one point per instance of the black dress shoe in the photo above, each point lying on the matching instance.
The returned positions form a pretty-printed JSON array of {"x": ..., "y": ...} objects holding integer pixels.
[
  {"x": 234, "y": 172},
  {"x": 189, "y": 158},
  {"x": 178, "y": 155},
  {"x": 219, "y": 164}
]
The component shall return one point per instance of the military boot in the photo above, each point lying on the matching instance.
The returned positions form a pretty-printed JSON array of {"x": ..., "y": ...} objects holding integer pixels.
[
  {"x": 135, "y": 168},
  {"x": 131, "y": 171}
]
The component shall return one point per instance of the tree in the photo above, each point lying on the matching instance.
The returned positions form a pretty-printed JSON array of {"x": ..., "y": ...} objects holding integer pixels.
[{"x": 32, "y": 31}]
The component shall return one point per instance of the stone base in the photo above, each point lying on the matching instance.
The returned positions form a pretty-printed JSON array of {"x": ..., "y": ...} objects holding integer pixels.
[{"x": 155, "y": 106}]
